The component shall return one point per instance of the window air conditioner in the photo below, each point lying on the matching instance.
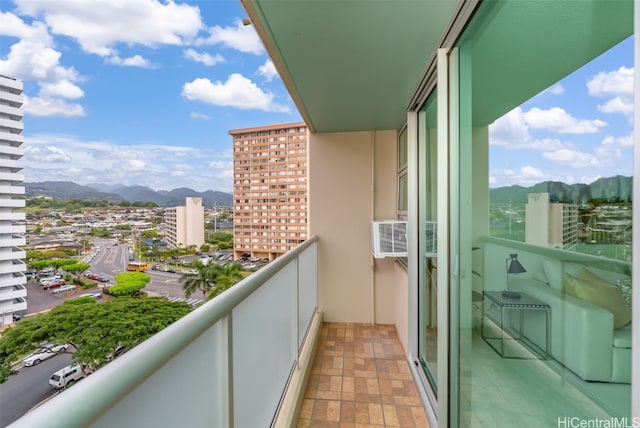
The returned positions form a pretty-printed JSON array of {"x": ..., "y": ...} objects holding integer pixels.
[{"x": 389, "y": 239}]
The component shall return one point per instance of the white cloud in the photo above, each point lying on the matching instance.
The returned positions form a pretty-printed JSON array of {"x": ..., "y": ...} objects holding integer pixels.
[
  {"x": 617, "y": 82},
  {"x": 203, "y": 57},
  {"x": 66, "y": 158},
  {"x": 512, "y": 132},
  {"x": 556, "y": 89},
  {"x": 99, "y": 25},
  {"x": 268, "y": 70},
  {"x": 51, "y": 107},
  {"x": 617, "y": 105},
  {"x": 133, "y": 61},
  {"x": 198, "y": 116},
  {"x": 237, "y": 91},
  {"x": 558, "y": 120},
  {"x": 62, "y": 89},
  {"x": 241, "y": 37},
  {"x": 572, "y": 158}
]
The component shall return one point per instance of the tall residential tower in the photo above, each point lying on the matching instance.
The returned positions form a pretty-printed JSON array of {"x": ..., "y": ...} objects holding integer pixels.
[
  {"x": 269, "y": 189},
  {"x": 13, "y": 291}
]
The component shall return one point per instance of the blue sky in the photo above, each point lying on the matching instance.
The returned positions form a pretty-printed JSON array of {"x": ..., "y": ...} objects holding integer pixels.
[
  {"x": 137, "y": 92},
  {"x": 143, "y": 92},
  {"x": 576, "y": 131}
]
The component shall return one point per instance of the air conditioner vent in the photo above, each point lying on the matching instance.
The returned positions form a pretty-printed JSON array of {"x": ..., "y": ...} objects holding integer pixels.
[{"x": 389, "y": 239}]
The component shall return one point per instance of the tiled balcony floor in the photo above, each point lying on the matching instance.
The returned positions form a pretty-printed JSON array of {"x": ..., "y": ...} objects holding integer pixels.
[{"x": 360, "y": 378}]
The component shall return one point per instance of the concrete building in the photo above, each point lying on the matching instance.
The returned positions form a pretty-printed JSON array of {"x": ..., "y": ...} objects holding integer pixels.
[
  {"x": 185, "y": 224},
  {"x": 550, "y": 224},
  {"x": 270, "y": 189},
  {"x": 13, "y": 291}
]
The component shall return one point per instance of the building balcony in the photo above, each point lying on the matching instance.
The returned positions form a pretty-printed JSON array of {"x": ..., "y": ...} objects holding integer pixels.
[
  {"x": 244, "y": 357},
  {"x": 11, "y": 124},
  {"x": 11, "y": 293}
]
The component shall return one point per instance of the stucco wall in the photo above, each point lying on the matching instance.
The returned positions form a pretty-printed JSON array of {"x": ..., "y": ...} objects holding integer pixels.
[{"x": 342, "y": 191}]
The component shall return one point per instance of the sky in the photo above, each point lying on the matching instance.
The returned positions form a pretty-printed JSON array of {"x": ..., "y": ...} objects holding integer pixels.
[
  {"x": 578, "y": 130},
  {"x": 144, "y": 92},
  {"x": 137, "y": 92}
]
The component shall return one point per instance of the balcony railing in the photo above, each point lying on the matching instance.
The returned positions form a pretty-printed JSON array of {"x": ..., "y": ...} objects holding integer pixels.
[{"x": 226, "y": 364}]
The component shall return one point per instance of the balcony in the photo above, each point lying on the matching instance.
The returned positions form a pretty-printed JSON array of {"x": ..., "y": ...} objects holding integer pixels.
[{"x": 241, "y": 360}]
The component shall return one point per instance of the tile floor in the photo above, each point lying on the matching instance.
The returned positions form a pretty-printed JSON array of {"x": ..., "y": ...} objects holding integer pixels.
[{"x": 360, "y": 378}]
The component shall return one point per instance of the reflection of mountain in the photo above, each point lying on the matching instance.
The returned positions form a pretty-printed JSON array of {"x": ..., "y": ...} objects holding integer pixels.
[{"x": 610, "y": 189}]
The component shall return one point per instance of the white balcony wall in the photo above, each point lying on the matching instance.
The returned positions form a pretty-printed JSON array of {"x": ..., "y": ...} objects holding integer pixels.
[
  {"x": 11, "y": 190},
  {"x": 13, "y": 280},
  {"x": 11, "y": 228},
  {"x": 10, "y": 293},
  {"x": 11, "y": 216},
  {"x": 6, "y": 202},
  {"x": 10, "y": 164},
  {"x": 11, "y": 138},
  {"x": 10, "y": 85},
  {"x": 11, "y": 124},
  {"x": 9, "y": 267},
  {"x": 227, "y": 364},
  {"x": 11, "y": 176},
  {"x": 17, "y": 152},
  {"x": 15, "y": 113},
  {"x": 12, "y": 241},
  {"x": 15, "y": 99}
]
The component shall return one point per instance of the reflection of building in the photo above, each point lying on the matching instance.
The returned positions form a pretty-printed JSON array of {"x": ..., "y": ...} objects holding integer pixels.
[
  {"x": 270, "y": 189},
  {"x": 550, "y": 224},
  {"x": 13, "y": 292},
  {"x": 185, "y": 224}
]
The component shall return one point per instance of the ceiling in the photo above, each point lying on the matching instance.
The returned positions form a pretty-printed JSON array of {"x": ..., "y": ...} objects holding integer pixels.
[
  {"x": 346, "y": 63},
  {"x": 355, "y": 65}
]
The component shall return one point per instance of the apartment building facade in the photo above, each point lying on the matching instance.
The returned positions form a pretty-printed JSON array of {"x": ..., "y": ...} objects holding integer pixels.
[
  {"x": 185, "y": 224},
  {"x": 270, "y": 189},
  {"x": 13, "y": 290},
  {"x": 550, "y": 224}
]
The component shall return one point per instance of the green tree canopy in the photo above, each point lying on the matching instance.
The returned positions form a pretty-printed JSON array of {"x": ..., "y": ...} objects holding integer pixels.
[
  {"x": 93, "y": 329},
  {"x": 129, "y": 284},
  {"x": 226, "y": 276},
  {"x": 202, "y": 280}
]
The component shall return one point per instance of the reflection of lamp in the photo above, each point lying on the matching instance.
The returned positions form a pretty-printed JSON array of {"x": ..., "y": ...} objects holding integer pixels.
[{"x": 513, "y": 266}]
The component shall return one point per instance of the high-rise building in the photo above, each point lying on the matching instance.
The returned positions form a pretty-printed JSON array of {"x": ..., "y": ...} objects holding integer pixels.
[
  {"x": 13, "y": 291},
  {"x": 185, "y": 224},
  {"x": 270, "y": 189},
  {"x": 550, "y": 224}
]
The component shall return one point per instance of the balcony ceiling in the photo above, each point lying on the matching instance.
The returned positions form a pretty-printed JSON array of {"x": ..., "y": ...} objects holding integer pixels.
[
  {"x": 354, "y": 65},
  {"x": 345, "y": 63}
]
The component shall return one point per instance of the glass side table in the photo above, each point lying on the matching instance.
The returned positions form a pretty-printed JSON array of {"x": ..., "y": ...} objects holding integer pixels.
[{"x": 495, "y": 308}]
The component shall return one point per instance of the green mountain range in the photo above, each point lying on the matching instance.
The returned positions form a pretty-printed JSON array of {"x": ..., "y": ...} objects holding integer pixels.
[{"x": 610, "y": 189}]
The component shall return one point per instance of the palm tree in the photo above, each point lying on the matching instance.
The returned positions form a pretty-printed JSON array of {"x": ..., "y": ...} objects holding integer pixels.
[
  {"x": 201, "y": 280},
  {"x": 226, "y": 276}
]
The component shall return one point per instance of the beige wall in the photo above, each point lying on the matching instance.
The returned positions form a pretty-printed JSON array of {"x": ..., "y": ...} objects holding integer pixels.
[{"x": 341, "y": 201}]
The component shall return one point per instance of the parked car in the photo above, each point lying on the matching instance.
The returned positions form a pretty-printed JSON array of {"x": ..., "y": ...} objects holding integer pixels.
[
  {"x": 93, "y": 276},
  {"x": 43, "y": 353},
  {"x": 66, "y": 376},
  {"x": 117, "y": 352},
  {"x": 55, "y": 284},
  {"x": 103, "y": 279},
  {"x": 94, "y": 295}
]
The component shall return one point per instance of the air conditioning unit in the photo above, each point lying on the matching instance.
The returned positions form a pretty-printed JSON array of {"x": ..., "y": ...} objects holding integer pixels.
[
  {"x": 431, "y": 239},
  {"x": 389, "y": 239}
]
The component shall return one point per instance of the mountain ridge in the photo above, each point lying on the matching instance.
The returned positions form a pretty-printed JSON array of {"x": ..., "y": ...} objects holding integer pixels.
[{"x": 163, "y": 198}]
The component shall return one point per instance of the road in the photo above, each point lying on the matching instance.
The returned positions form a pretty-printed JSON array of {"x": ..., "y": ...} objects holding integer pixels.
[{"x": 28, "y": 388}]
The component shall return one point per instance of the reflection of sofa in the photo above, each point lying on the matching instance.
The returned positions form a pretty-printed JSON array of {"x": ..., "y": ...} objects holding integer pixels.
[{"x": 583, "y": 337}]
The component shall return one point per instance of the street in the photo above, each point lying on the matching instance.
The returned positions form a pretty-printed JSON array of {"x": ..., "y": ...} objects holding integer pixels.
[
  {"x": 31, "y": 386},
  {"x": 28, "y": 388}
]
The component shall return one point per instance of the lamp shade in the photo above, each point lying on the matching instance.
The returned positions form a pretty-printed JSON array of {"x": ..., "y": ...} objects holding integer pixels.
[{"x": 514, "y": 266}]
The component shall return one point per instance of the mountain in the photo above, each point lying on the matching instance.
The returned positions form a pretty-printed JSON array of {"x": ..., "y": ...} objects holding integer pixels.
[
  {"x": 68, "y": 189},
  {"x": 609, "y": 189},
  {"x": 107, "y": 188},
  {"x": 64, "y": 189}
]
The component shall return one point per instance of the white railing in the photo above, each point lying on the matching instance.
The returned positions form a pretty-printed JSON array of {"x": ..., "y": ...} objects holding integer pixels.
[{"x": 226, "y": 364}]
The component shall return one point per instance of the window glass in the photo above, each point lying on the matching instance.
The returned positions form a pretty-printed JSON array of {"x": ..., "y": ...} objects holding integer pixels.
[{"x": 545, "y": 164}]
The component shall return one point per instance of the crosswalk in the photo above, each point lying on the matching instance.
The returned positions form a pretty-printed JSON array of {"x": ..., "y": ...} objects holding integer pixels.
[{"x": 192, "y": 302}]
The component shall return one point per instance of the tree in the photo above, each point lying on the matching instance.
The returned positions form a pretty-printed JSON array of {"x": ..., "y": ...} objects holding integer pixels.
[
  {"x": 201, "y": 280},
  {"x": 226, "y": 276},
  {"x": 129, "y": 284},
  {"x": 93, "y": 329},
  {"x": 77, "y": 269}
]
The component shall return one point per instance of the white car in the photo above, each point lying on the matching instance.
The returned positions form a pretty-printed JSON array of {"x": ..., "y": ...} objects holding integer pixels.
[{"x": 43, "y": 353}]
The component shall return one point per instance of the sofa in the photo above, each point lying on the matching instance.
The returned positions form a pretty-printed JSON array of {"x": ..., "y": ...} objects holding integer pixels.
[{"x": 592, "y": 340}]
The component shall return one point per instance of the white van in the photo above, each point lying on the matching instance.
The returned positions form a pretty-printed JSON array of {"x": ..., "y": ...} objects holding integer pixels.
[{"x": 66, "y": 376}]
